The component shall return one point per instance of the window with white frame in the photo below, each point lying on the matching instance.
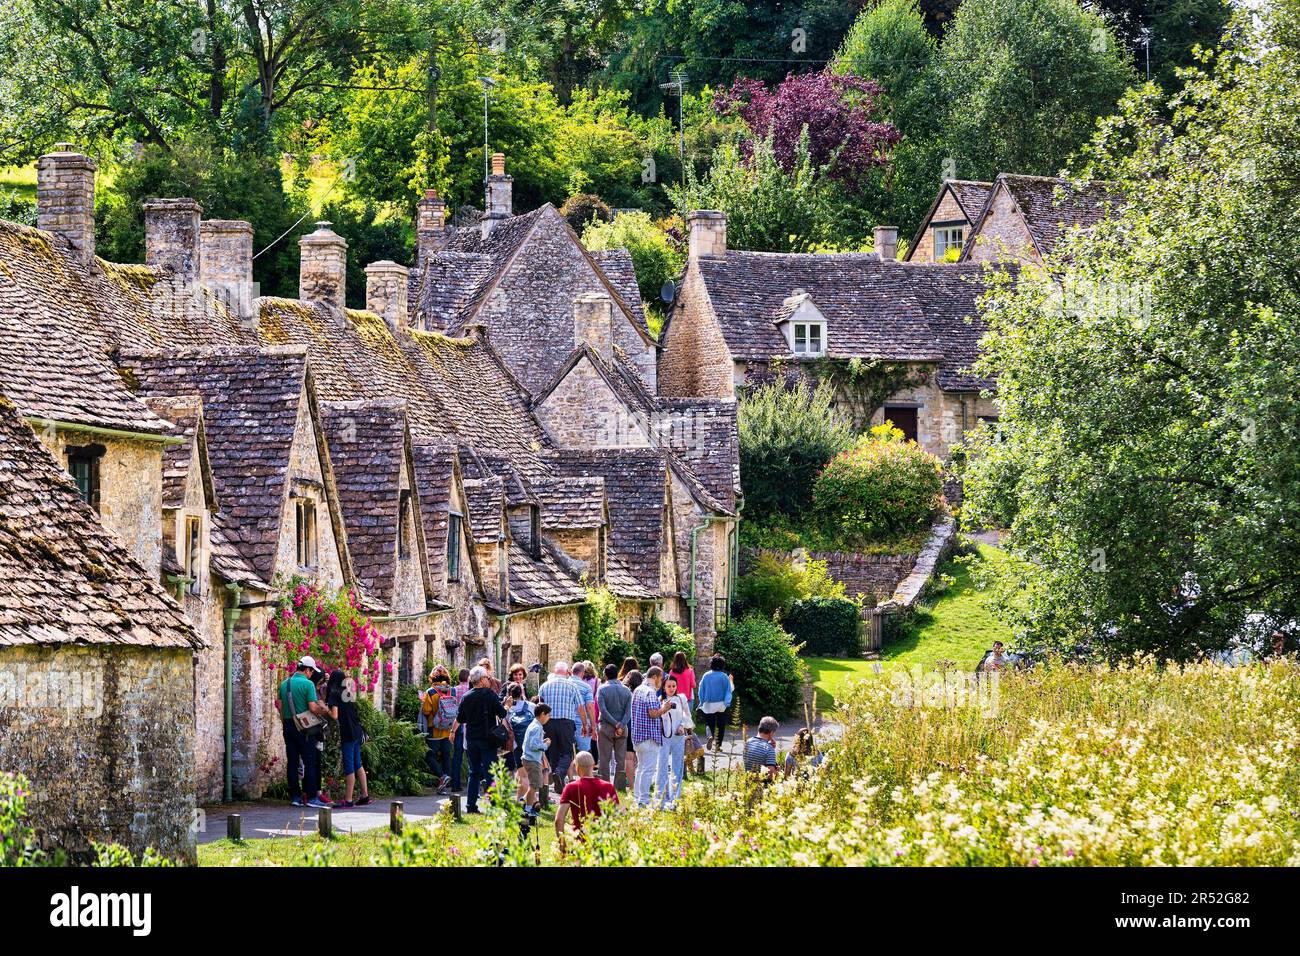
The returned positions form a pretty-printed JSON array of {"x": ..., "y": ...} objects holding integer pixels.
[
  {"x": 808, "y": 338},
  {"x": 946, "y": 238}
]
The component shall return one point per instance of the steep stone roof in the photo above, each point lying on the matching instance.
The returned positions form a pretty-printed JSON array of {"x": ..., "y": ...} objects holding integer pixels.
[
  {"x": 870, "y": 310},
  {"x": 486, "y": 500},
  {"x": 635, "y": 485},
  {"x": 703, "y": 434},
  {"x": 50, "y": 370},
  {"x": 1051, "y": 205},
  {"x": 185, "y": 414},
  {"x": 971, "y": 195},
  {"x": 251, "y": 399},
  {"x": 949, "y": 293},
  {"x": 541, "y": 581},
  {"x": 367, "y": 445},
  {"x": 570, "y": 504},
  {"x": 64, "y": 579},
  {"x": 620, "y": 270}
]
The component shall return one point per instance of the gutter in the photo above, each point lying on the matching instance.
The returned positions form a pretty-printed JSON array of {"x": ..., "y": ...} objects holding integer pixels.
[
  {"x": 233, "y": 612},
  {"x": 107, "y": 432},
  {"x": 733, "y": 561}
]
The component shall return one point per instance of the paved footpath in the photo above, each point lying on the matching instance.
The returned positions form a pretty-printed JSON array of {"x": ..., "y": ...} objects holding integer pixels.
[{"x": 262, "y": 819}]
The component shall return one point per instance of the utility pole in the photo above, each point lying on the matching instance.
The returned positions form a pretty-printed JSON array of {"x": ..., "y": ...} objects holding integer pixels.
[
  {"x": 677, "y": 83},
  {"x": 488, "y": 83},
  {"x": 1146, "y": 47}
]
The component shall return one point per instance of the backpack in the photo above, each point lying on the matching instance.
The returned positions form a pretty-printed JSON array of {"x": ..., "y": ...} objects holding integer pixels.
[
  {"x": 442, "y": 714},
  {"x": 519, "y": 721}
]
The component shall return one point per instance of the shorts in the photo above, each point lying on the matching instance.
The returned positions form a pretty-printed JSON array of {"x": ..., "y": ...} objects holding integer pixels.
[
  {"x": 534, "y": 770},
  {"x": 351, "y": 756}
]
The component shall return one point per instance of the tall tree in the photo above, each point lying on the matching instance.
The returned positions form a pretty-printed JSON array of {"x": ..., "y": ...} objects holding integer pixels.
[
  {"x": 1024, "y": 82},
  {"x": 1165, "y": 31},
  {"x": 1148, "y": 378}
]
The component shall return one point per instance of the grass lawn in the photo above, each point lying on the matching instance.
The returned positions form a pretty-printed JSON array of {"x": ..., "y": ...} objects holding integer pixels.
[
  {"x": 959, "y": 626},
  {"x": 20, "y": 180}
]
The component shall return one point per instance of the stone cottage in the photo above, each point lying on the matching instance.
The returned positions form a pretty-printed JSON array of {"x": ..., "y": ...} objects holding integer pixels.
[
  {"x": 895, "y": 339},
  {"x": 96, "y": 668},
  {"x": 1026, "y": 215},
  {"x": 943, "y": 232}
]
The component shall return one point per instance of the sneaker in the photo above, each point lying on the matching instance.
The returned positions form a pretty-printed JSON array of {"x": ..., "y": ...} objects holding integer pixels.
[
  {"x": 364, "y": 801},
  {"x": 443, "y": 781},
  {"x": 318, "y": 804},
  {"x": 347, "y": 803},
  {"x": 296, "y": 802}
]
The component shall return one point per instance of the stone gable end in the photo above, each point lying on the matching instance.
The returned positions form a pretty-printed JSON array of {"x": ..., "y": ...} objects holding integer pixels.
[{"x": 582, "y": 411}]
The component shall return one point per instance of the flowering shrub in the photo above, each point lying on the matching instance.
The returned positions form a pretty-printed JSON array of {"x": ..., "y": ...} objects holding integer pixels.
[
  {"x": 17, "y": 842},
  {"x": 881, "y": 488},
  {"x": 328, "y": 627}
]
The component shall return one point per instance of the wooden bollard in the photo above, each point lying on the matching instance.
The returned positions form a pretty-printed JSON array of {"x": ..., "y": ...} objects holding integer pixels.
[
  {"x": 325, "y": 822},
  {"x": 546, "y": 795},
  {"x": 234, "y": 828},
  {"x": 455, "y": 806},
  {"x": 395, "y": 816}
]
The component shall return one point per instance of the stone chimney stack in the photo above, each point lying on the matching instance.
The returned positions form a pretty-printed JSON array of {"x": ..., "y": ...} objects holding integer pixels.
[
  {"x": 500, "y": 189},
  {"x": 430, "y": 227},
  {"x": 593, "y": 316},
  {"x": 323, "y": 267},
  {"x": 887, "y": 243},
  {"x": 65, "y": 198},
  {"x": 172, "y": 236},
  {"x": 386, "y": 292},
  {"x": 707, "y": 234},
  {"x": 226, "y": 265}
]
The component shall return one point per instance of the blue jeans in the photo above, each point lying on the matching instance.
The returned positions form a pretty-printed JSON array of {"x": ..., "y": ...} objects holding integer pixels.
[
  {"x": 482, "y": 754},
  {"x": 298, "y": 746},
  {"x": 457, "y": 757},
  {"x": 351, "y": 756},
  {"x": 438, "y": 756},
  {"x": 672, "y": 769}
]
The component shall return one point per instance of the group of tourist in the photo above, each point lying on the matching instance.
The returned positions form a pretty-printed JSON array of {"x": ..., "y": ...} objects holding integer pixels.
[{"x": 586, "y": 737}]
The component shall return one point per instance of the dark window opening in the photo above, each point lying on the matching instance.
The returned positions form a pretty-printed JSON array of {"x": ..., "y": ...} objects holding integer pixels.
[
  {"x": 535, "y": 531},
  {"x": 192, "y": 554},
  {"x": 83, "y": 465},
  {"x": 305, "y": 531},
  {"x": 904, "y": 419},
  {"x": 454, "y": 535},
  {"x": 403, "y": 520}
]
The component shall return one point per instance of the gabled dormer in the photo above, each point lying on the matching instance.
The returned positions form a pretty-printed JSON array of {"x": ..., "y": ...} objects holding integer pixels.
[{"x": 803, "y": 325}]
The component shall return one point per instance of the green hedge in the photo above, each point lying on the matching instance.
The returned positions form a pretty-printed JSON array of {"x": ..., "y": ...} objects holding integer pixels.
[
  {"x": 766, "y": 666},
  {"x": 662, "y": 637},
  {"x": 826, "y": 627}
]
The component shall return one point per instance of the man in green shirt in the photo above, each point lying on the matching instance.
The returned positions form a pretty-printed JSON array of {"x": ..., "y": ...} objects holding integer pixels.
[{"x": 298, "y": 694}]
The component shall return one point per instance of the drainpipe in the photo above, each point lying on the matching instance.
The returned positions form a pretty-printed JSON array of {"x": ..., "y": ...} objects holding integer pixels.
[
  {"x": 233, "y": 612},
  {"x": 181, "y": 583},
  {"x": 733, "y": 561}
]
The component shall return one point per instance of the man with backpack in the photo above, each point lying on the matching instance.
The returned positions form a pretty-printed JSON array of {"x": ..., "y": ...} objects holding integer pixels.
[
  {"x": 438, "y": 707},
  {"x": 302, "y": 715}
]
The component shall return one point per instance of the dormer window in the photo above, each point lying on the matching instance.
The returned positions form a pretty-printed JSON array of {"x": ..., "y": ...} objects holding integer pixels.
[
  {"x": 403, "y": 524},
  {"x": 948, "y": 238},
  {"x": 191, "y": 551},
  {"x": 83, "y": 465},
  {"x": 809, "y": 338},
  {"x": 455, "y": 526}
]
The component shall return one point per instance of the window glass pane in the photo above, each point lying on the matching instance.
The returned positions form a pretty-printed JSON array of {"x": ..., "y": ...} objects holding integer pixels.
[
  {"x": 814, "y": 338},
  {"x": 453, "y": 547},
  {"x": 800, "y": 337}
]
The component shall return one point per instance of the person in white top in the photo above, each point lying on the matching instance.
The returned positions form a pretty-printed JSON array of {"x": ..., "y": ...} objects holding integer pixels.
[{"x": 677, "y": 724}]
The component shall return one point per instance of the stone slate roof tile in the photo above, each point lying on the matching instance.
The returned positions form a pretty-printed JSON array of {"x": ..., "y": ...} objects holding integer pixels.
[
  {"x": 635, "y": 483},
  {"x": 226, "y": 560},
  {"x": 620, "y": 270},
  {"x": 870, "y": 311},
  {"x": 486, "y": 500},
  {"x": 570, "y": 504},
  {"x": 1052, "y": 206},
  {"x": 542, "y": 581},
  {"x": 703, "y": 434},
  {"x": 367, "y": 446},
  {"x": 64, "y": 579},
  {"x": 949, "y": 293},
  {"x": 185, "y": 414},
  {"x": 435, "y": 471},
  {"x": 251, "y": 399}
]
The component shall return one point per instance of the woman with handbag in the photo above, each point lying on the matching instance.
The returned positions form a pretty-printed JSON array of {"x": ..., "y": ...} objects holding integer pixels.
[{"x": 677, "y": 724}]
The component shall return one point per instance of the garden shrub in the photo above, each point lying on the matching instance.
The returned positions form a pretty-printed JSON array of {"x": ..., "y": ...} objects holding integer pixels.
[
  {"x": 663, "y": 637},
  {"x": 597, "y": 625},
  {"x": 582, "y": 209},
  {"x": 616, "y": 653},
  {"x": 18, "y": 846},
  {"x": 773, "y": 584},
  {"x": 787, "y": 435},
  {"x": 394, "y": 754},
  {"x": 766, "y": 666},
  {"x": 656, "y": 254},
  {"x": 826, "y": 627},
  {"x": 407, "y": 705},
  {"x": 879, "y": 489}
]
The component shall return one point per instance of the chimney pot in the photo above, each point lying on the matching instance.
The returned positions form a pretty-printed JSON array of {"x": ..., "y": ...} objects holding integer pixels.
[
  {"x": 323, "y": 267},
  {"x": 593, "y": 314},
  {"x": 887, "y": 242},
  {"x": 65, "y": 198},
  {"x": 386, "y": 292},
  {"x": 707, "y": 230},
  {"x": 498, "y": 164},
  {"x": 172, "y": 236}
]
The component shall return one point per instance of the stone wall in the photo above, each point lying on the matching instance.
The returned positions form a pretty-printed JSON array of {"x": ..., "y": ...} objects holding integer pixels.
[
  {"x": 948, "y": 210},
  {"x": 875, "y": 576},
  {"x": 105, "y": 735},
  {"x": 695, "y": 360},
  {"x": 582, "y": 411},
  {"x": 542, "y": 637},
  {"x": 1002, "y": 233}
]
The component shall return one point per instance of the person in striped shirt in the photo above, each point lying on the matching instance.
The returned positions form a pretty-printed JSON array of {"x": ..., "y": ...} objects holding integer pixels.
[
  {"x": 648, "y": 733},
  {"x": 760, "y": 750}
]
